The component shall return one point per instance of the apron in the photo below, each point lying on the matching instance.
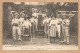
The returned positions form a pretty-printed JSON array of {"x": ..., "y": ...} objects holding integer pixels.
[
  {"x": 53, "y": 30},
  {"x": 26, "y": 31}
]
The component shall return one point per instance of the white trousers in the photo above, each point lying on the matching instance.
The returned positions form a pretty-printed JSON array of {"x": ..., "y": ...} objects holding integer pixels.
[
  {"x": 16, "y": 33},
  {"x": 66, "y": 34},
  {"x": 58, "y": 30},
  {"x": 21, "y": 28}
]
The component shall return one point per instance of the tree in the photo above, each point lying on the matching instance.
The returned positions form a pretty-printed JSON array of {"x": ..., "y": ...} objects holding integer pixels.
[{"x": 54, "y": 7}]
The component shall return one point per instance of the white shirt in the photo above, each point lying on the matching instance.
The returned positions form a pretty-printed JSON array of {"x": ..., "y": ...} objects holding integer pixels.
[
  {"x": 66, "y": 21},
  {"x": 43, "y": 15},
  {"x": 21, "y": 20},
  {"x": 53, "y": 21},
  {"x": 58, "y": 20},
  {"x": 46, "y": 20},
  {"x": 15, "y": 21},
  {"x": 35, "y": 14},
  {"x": 49, "y": 18},
  {"x": 26, "y": 24},
  {"x": 34, "y": 20}
]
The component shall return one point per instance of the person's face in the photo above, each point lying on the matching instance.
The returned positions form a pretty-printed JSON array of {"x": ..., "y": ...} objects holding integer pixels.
[
  {"x": 64, "y": 17},
  {"x": 53, "y": 17},
  {"x": 17, "y": 16}
]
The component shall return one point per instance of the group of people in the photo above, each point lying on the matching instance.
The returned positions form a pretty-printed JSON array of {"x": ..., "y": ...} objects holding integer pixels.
[
  {"x": 22, "y": 26},
  {"x": 57, "y": 24}
]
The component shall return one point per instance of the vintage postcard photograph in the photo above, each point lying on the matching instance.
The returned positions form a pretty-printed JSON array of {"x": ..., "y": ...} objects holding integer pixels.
[{"x": 40, "y": 26}]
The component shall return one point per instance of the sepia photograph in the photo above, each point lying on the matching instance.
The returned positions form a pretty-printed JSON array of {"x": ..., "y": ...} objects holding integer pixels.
[{"x": 40, "y": 26}]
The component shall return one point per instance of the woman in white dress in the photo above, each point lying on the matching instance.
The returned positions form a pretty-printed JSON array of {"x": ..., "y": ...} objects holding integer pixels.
[
  {"x": 26, "y": 28},
  {"x": 53, "y": 29}
]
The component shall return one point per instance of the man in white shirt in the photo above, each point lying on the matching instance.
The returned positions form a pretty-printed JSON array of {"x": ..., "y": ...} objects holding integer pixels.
[
  {"x": 46, "y": 26},
  {"x": 21, "y": 20},
  {"x": 15, "y": 28},
  {"x": 59, "y": 22},
  {"x": 34, "y": 25},
  {"x": 44, "y": 15},
  {"x": 65, "y": 24}
]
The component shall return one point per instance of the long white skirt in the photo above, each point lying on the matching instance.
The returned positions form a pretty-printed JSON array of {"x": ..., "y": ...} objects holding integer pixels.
[{"x": 53, "y": 31}]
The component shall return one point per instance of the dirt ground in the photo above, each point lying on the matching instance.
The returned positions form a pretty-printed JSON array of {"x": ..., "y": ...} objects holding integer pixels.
[{"x": 41, "y": 40}]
